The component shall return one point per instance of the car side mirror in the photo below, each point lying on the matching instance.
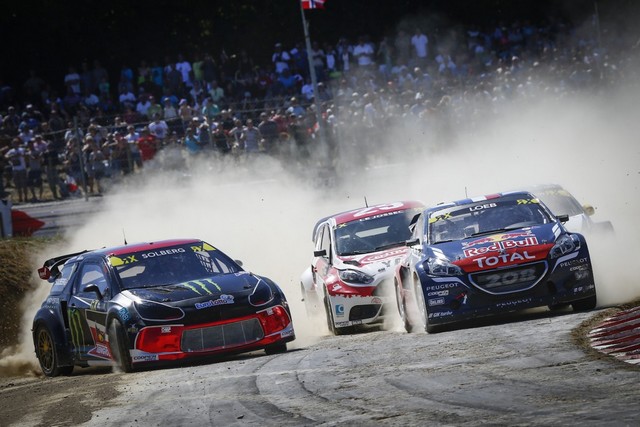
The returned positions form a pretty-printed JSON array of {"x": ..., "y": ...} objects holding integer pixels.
[
  {"x": 93, "y": 288},
  {"x": 563, "y": 218},
  {"x": 238, "y": 262},
  {"x": 589, "y": 210},
  {"x": 321, "y": 252}
]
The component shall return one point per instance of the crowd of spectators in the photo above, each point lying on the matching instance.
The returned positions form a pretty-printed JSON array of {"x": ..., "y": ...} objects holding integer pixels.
[{"x": 105, "y": 127}]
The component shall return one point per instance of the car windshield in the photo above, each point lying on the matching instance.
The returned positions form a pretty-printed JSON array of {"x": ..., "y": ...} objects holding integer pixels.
[
  {"x": 374, "y": 233},
  {"x": 485, "y": 217},
  {"x": 171, "y": 265},
  {"x": 560, "y": 202}
]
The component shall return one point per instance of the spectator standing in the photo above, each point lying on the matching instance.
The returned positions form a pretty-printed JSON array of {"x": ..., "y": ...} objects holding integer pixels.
[
  {"x": 420, "y": 43},
  {"x": 131, "y": 138},
  {"x": 250, "y": 137},
  {"x": 159, "y": 129},
  {"x": 72, "y": 81},
  {"x": 363, "y": 53},
  {"x": 17, "y": 158},
  {"x": 280, "y": 58},
  {"x": 185, "y": 69},
  {"x": 148, "y": 144},
  {"x": 142, "y": 107},
  {"x": 51, "y": 163},
  {"x": 268, "y": 132}
]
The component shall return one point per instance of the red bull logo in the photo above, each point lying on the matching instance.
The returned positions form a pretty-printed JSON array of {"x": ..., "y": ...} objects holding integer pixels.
[
  {"x": 496, "y": 238},
  {"x": 501, "y": 246}
]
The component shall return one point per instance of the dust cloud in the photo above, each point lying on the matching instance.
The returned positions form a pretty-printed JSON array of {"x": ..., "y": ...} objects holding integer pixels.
[{"x": 261, "y": 211}]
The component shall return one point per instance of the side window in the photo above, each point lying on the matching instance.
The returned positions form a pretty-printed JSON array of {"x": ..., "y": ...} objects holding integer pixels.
[
  {"x": 92, "y": 273},
  {"x": 326, "y": 240},
  {"x": 419, "y": 231},
  {"x": 62, "y": 280}
]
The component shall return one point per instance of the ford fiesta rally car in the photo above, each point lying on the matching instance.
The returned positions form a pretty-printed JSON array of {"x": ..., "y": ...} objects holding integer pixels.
[
  {"x": 353, "y": 263},
  {"x": 481, "y": 256},
  {"x": 151, "y": 302}
]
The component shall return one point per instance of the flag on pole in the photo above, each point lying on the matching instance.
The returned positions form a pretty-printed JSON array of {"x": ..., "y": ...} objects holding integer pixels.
[{"x": 312, "y": 4}]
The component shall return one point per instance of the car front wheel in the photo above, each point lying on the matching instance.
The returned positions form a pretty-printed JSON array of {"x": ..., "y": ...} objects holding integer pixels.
[
  {"x": 402, "y": 309},
  {"x": 120, "y": 346}
]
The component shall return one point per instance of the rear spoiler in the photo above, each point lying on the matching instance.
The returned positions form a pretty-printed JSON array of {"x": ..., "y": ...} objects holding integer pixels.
[{"x": 51, "y": 267}]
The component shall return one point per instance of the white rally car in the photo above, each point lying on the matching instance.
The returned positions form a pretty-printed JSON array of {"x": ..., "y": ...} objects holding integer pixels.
[
  {"x": 562, "y": 202},
  {"x": 354, "y": 257}
]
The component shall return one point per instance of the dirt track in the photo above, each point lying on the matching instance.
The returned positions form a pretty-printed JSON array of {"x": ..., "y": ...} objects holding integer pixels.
[{"x": 525, "y": 369}]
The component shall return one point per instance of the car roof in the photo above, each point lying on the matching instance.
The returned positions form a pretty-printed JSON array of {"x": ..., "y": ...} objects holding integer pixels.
[
  {"x": 143, "y": 246},
  {"x": 365, "y": 212},
  {"x": 479, "y": 199}
]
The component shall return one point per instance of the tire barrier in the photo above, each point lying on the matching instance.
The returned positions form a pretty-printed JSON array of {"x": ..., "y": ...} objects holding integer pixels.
[{"x": 619, "y": 336}]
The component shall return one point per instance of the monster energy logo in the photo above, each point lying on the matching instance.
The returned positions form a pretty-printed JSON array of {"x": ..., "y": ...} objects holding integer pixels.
[
  {"x": 201, "y": 285},
  {"x": 75, "y": 324}
]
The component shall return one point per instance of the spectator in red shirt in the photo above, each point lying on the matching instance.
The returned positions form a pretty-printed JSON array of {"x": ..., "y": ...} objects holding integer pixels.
[{"x": 148, "y": 144}]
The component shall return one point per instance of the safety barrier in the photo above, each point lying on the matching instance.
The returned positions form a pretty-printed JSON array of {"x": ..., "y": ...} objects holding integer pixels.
[{"x": 619, "y": 336}]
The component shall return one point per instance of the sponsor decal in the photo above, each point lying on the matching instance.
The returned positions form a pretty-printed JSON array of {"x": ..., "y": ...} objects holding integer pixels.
[
  {"x": 145, "y": 358},
  {"x": 440, "y": 314},
  {"x": 501, "y": 246},
  {"x": 203, "y": 247},
  {"x": 514, "y": 302},
  {"x": 527, "y": 201},
  {"x": 437, "y": 218},
  {"x": 286, "y": 333},
  {"x": 224, "y": 299},
  {"x": 340, "y": 310},
  {"x": 440, "y": 286},
  {"x": 52, "y": 303},
  {"x": 163, "y": 252},
  {"x": 165, "y": 329},
  {"x": 124, "y": 314},
  {"x": 336, "y": 287},
  {"x": 383, "y": 255},
  {"x": 482, "y": 207},
  {"x": 573, "y": 262},
  {"x": 376, "y": 209},
  {"x": 376, "y": 300},
  {"x": 438, "y": 294},
  {"x": 343, "y": 324},
  {"x": 492, "y": 261},
  {"x": 117, "y": 261},
  {"x": 497, "y": 238},
  {"x": 436, "y": 301}
]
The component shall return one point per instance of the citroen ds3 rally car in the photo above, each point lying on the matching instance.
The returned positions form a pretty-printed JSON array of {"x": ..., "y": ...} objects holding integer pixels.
[{"x": 152, "y": 302}]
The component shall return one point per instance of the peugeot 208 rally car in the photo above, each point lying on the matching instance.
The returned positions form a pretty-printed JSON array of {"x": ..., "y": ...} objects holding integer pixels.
[
  {"x": 492, "y": 254},
  {"x": 354, "y": 257}
]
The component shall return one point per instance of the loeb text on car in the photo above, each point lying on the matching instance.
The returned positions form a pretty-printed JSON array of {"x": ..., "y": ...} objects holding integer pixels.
[
  {"x": 354, "y": 257},
  {"x": 151, "y": 302},
  {"x": 487, "y": 255}
]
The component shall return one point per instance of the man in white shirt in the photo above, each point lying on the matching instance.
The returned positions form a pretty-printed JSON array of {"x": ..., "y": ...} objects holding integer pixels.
[{"x": 420, "y": 43}]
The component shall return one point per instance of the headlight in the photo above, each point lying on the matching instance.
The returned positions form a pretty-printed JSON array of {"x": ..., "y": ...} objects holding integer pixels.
[
  {"x": 261, "y": 295},
  {"x": 441, "y": 267},
  {"x": 565, "y": 244},
  {"x": 355, "y": 276},
  {"x": 155, "y": 311}
]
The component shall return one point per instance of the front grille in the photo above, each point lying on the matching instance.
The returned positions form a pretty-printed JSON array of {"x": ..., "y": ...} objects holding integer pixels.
[
  {"x": 508, "y": 280},
  {"x": 224, "y": 336},
  {"x": 364, "y": 311}
]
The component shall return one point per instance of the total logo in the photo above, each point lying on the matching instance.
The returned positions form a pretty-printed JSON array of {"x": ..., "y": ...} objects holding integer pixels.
[
  {"x": 492, "y": 261},
  {"x": 340, "y": 310}
]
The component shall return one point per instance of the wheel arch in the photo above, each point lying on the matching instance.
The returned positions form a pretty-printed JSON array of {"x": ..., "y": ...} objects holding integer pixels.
[{"x": 47, "y": 319}]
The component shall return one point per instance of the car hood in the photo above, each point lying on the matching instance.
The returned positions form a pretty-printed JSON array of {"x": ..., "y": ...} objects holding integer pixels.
[
  {"x": 499, "y": 249},
  {"x": 373, "y": 263},
  {"x": 237, "y": 284}
]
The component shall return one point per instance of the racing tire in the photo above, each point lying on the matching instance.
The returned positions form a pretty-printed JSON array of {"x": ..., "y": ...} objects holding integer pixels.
[
  {"x": 47, "y": 354},
  {"x": 422, "y": 311},
  {"x": 402, "y": 309},
  {"x": 277, "y": 348},
  {"x": 585, "y": 304},
  {"x": 119, "y": 345},
  {"x": 331, "y": 319}
]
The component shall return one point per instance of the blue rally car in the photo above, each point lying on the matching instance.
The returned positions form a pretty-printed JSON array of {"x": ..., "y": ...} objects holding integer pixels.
[
  {"x": 487, "y": 255},
  {"x": 148, "y": 303}
]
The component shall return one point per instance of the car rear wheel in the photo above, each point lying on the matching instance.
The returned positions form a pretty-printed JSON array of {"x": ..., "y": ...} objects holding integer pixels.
[
  {"x": 402, "y": 309},
  {"x": 585, "y": 304},
  {"x": 47, "y": 354},
  {"x": 120, "y": 346}
]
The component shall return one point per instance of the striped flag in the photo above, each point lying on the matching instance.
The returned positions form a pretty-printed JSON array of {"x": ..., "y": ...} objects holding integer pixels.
[{"x": 312, "y": 4}]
